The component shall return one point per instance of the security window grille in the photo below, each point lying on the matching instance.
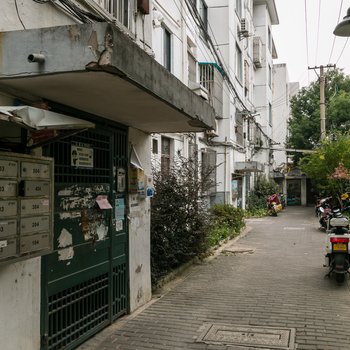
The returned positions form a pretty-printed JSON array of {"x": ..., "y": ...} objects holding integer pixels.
[
  {"x": 167, "y": 52},
  {"x": 206, "y": 74},
  {"x": 165, "y": 156},
  {"x": 239, "y": 63},
  {"x": 120, "y": 9}
]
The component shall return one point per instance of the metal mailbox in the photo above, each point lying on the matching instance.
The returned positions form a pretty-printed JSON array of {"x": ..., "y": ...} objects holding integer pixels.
[
  {"x": 8, "y": 248},
  {"x": 8, "y": 228},
  {"x": 35, "y": 242},
  {"x": 8, "y": 208},
  {"x": 36, "y": 188},
  {"x": 8, "y": 168},
  {"x": 35, "y": 224},
  {"x": 8, "y": 188},
  {"x": 26, "y": 206}
]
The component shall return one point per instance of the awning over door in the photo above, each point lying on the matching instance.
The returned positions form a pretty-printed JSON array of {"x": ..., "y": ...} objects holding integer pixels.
[
  {"x": 98, "y": 69},
  {"x": 39, "y": 119}
]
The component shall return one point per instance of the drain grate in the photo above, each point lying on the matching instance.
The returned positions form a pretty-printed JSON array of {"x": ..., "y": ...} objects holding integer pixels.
[{"x": 248, "y": 336}]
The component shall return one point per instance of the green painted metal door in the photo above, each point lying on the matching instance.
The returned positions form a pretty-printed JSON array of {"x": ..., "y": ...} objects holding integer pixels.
[{"x": 85, "y": 280}]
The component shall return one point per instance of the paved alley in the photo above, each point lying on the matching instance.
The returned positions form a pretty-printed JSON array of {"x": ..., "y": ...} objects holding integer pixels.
[{"x": 275, "y": 290}]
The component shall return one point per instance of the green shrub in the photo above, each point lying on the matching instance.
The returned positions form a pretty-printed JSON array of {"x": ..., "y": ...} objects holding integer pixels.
[
  {"x": 263, "y": 188},
  {"x": 226, "y": 222}
]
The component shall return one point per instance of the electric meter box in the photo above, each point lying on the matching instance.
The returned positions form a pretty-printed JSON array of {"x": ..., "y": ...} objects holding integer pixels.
[{"x": 26, "y": 206}]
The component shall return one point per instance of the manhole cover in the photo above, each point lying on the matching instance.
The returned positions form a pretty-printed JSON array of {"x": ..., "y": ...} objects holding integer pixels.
[{"x": 249, "y": 336}]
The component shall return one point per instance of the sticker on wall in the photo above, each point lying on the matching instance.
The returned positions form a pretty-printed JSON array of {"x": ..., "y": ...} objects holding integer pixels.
[
  {"x": 119, "y": 225},
  {"x": 121, "y": 182},
  {"x": 102, "y": 202},
  {"x": 82, "y": 156}
]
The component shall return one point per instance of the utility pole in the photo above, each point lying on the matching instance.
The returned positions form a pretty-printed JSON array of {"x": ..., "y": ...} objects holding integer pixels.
[{"x": 322, "y": 98}]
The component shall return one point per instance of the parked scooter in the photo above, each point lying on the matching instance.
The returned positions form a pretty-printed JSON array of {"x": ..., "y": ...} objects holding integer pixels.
[
  {"x": 337, "y": 248},
  {"x": 325, "y": 214},
  {"x": 322, "y": 203},
  {"x": 273, "y": 205}
]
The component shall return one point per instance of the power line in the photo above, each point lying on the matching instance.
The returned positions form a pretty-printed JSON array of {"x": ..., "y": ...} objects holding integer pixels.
[
  {"x": 306, "y": 36},
  {"x": 340, "y": 10},
  {"x": 318, "y": 29},
  {"x": 342, "y": 51}
]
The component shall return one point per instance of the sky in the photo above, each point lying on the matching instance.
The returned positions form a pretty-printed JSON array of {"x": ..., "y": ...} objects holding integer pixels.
[{"x": 306, "y": 41}]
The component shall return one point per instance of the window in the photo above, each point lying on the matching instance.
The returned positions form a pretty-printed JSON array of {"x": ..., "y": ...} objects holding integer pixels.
[
  {"x": 239, "y": 8},
  {"x": 120, "y": 9},
  {"x": 155, "y": 146},
  {"x": 270, "y": 76},
  {"x": 270, "y": 114},
  {"x": 192, "y": 68},
  {"x": 203, "y": 12},
  {"x": 167, "y": 52},
  {"x": 246, "y": 78},
  {"x": 165, "y": 156},
  {"x": 206, "y": 77},
  {"x": 209, "y": 168},
  {"x": 239, "y": 128},
  {"x": 239, "y": 73}
]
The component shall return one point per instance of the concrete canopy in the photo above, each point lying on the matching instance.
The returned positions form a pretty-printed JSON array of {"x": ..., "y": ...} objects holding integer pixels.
[{"x": 98, "y": 69}]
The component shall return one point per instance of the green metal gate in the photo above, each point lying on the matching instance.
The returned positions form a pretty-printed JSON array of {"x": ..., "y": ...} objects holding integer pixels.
[{"x": 85, "y": 280}]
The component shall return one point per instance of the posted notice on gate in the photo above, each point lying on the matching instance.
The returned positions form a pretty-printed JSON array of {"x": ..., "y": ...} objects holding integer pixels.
[{"x": 82, "y": 156}]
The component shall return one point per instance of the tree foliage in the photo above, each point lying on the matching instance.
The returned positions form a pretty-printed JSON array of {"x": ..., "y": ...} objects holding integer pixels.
[
  {"x": 329, "y": 166},
  {"x": 304, "y": 125}
]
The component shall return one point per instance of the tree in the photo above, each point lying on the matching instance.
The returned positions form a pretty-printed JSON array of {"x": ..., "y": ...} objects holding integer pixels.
[
  {"x": 180, "y": 218},
  {"x": 304, "y": 125},
  {"x": 329, "y": 166}
]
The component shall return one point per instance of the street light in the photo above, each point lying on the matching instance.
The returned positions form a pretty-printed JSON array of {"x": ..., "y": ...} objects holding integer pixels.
[{"x": 343, "y": 28}]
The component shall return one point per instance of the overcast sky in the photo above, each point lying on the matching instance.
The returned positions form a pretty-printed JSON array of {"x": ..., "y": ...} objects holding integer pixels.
[{"x": 300, "y": 43}]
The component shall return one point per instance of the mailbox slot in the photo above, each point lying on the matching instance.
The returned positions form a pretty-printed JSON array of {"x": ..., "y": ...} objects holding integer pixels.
[
  {"x": 8, "y": 188},
  {"x": 35, "y": 224}
]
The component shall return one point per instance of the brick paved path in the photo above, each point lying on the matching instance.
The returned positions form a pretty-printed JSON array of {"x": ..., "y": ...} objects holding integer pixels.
[{"x": 280, "y": 284}]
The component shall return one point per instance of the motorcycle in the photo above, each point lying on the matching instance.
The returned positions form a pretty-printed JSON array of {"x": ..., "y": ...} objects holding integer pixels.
[
  {"x": 322, "y": 203},
  {"x": 273, "y": 205},
  {"x": 337, "y": 248},
  {"x": 325, "y": 214}
]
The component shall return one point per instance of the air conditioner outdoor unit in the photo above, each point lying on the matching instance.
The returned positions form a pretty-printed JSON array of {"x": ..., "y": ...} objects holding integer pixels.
[
  {"x": 257, "y": 52},
  {"x": 244, "y": 32}
]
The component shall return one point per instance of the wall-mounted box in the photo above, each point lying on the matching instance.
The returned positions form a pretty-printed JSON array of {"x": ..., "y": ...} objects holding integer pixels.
[{"x": 26, "y": 206}]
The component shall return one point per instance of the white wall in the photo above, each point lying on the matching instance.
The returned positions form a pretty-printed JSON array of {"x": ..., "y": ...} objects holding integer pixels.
[
  {"x": 139, "y": 229},
  {"x": 20, "y": 305},
  {"x": 20, "y": 291},
  {"x": 30, "y": 14}
]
